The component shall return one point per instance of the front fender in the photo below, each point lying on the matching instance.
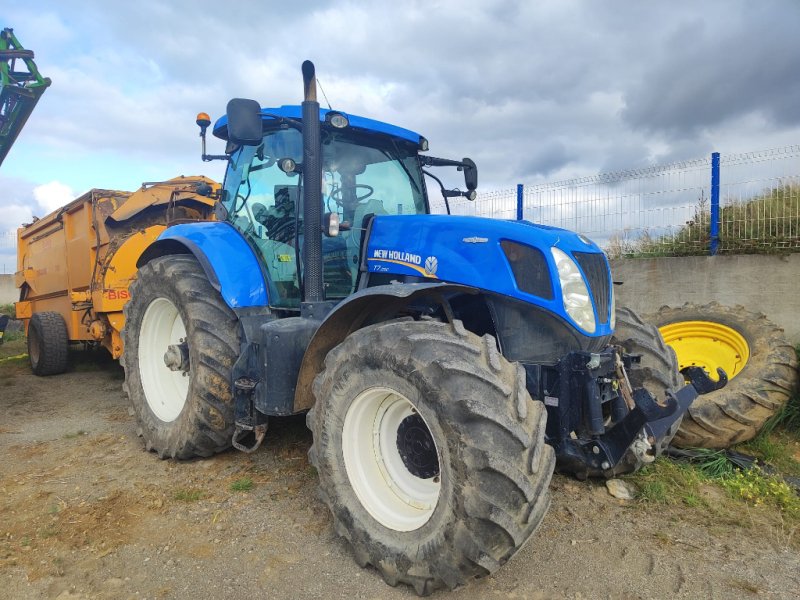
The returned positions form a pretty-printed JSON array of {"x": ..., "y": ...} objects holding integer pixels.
[
  {"x": 228, "y": 261},
  {"x": 370, "y": 305}
]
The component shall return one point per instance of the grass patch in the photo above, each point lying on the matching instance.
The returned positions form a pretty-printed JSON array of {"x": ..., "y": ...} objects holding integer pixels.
[
  {"x": 189, "y": 495},
  {"x": 758, "y": 488},
  {"x": 243, "y": 484},
  {"x": 669, "y": 482},
  {"x": 72, "y": 436}
]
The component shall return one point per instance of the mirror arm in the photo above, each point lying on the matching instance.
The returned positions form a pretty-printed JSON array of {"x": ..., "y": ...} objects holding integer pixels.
[
  {"x": 444, "y": 192},
  {"x": 432, "y": 161}
]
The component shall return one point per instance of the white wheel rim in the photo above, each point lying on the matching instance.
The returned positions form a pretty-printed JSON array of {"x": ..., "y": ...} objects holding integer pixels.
[
  {"x": 165, "y": 390},
  {"x": 390, "y": 493}
]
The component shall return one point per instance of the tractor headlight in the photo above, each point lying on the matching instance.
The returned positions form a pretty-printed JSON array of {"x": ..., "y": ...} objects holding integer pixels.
[{"x": 577, "y": 300}]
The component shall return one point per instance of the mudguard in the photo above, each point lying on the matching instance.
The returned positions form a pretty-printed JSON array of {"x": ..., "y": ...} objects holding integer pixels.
[
  {"x": 355, "y": 312},
  {"x": 228, "y": 261}
]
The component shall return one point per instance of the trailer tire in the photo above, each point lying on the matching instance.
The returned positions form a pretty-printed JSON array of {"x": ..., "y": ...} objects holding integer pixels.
[
  {"x": 755, "y": 391},
  {"x": 657, "y": 370},
  {"x": 48, "y": 343},
  {"x": 492, "y": 465},
  {"x": 188, "y": 412}
]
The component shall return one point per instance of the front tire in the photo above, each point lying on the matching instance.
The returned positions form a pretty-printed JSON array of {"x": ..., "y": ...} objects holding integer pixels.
[
  {"x": 430, "y": 452},
  {"x": 186, "y": 412}
]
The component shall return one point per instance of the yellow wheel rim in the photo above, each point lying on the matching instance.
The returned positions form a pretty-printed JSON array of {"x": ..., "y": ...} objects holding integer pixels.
[{"x": 707, "y": 345}]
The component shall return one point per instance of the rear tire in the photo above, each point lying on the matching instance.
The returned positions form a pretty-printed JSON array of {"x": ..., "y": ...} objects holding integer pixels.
[
  {"x": 468, "y": 493},
  {"x": 48, "y": 343},
  {"x": 182, "y": 413},
  {"x": 753, "y": 394}
]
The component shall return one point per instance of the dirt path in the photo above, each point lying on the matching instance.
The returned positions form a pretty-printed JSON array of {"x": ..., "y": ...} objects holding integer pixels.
[{"x": 86, "y": 513}]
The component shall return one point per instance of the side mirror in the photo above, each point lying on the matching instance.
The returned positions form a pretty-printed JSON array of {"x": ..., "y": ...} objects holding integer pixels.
[
  {"x": 244, "y": 122},
  {"x": 470, "y": 174}
]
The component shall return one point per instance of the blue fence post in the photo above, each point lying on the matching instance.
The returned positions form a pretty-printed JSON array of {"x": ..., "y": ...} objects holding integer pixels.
[
  {"x": 714, "y": 203},
  {"x": 520, "y": 197}
]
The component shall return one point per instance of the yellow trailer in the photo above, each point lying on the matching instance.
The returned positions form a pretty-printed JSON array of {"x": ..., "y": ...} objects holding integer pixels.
[{"x": 74, "y": 266}]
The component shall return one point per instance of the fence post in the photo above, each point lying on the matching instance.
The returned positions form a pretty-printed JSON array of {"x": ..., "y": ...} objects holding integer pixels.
[
  {"x": 520, "y": 198},
  {"x": 714, "y": 203}
]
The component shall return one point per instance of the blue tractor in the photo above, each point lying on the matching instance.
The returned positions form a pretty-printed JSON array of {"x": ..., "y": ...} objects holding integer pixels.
[{"x": 446, "y": 364}]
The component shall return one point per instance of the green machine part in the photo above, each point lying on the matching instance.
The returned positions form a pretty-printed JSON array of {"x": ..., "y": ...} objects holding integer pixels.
[{"x": 21, "y": 86}]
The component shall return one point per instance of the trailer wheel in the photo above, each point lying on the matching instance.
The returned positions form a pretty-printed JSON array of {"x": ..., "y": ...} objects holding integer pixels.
[
  {"x": 430, "y": 452},
  {"x": 181, "y": 341},
  {"x": 48, "y": 343},
  {"x": 760, "y": 363},
  {"x": 657, "y": 372}
]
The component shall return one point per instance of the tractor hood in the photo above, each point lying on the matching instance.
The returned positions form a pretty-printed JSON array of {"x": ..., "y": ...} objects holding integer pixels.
[{"x": 511, "y": 258}]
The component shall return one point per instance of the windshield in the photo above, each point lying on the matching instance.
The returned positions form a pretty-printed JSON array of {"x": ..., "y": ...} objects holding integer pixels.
[{"x": 362, "y": 175}]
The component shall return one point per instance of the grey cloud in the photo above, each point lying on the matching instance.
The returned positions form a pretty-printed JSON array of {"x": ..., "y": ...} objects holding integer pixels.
[
  {"x": 529, "y": 90},
  {"x": 721, "y": 66}
]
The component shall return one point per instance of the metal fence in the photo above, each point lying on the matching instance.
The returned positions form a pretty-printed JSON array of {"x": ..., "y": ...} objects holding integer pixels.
[{"x": 737, "y": 203}]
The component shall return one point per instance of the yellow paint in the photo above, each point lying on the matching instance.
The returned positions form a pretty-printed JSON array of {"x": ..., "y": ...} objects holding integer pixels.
[
  {"x": 708, "y": 345},
  {"x": 80, "y": 259},
  {"x": 24, "y": 310}
]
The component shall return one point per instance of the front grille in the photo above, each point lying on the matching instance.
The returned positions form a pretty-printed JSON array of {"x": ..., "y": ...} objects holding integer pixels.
[
  {"x": 530, "y": 269},
  {"x": 595, "y": 268}
]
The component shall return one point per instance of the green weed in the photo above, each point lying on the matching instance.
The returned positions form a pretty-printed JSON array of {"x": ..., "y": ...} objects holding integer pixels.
[
  {"x": 189, "y": 495},
  {"x": 756, "y": 487},
  {"x": 244, "y": 484}
]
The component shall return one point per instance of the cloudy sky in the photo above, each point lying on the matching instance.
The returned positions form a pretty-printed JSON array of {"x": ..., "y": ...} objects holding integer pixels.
[{"x": 533, "y": 91}]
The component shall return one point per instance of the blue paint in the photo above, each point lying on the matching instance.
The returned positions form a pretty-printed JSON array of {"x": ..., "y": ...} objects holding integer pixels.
[
  {"x": 714, "y": 203},
  {"x": 232, "y": 260},
  {"x": 520, "y": 201},
  {"x": 356, "y": 122},
  {"x": 467, "y": 251}
]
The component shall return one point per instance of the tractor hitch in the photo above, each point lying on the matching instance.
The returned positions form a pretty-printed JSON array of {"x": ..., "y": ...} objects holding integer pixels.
[
  {"x": 597, "y": 423},
  {"x": 700, "y": 380}
]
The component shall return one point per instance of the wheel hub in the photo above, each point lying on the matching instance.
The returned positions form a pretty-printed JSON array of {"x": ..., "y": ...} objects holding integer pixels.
[
  {"x": 177, "y": 357},
  {"x": 417, "y": 448}
]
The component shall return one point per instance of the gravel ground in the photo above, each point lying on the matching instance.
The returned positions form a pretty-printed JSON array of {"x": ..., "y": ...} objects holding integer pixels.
[{"x": 85, "y": 512}]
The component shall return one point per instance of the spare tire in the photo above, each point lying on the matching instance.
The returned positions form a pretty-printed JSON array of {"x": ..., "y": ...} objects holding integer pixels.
[{"x": 760, "y": 363}]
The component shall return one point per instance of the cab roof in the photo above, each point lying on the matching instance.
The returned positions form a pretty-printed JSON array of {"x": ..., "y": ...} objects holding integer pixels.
[{"x": 293, "y": 111}]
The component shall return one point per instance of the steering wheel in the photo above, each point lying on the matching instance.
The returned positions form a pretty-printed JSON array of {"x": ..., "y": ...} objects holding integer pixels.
[{"x": 337, "y": 193}]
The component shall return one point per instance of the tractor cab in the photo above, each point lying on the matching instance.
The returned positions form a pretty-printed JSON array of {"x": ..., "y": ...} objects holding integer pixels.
[{"x": 366, "y": 171}]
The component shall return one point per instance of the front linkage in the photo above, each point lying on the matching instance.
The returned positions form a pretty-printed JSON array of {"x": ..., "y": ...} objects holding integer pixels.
[{"x": 598, "y": 424}]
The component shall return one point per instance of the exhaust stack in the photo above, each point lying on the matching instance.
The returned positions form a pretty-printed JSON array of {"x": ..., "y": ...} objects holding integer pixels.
[{"x": 312, "y": 188}]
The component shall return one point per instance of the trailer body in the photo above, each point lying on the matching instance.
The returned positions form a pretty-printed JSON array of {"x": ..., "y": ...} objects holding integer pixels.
[{"x": 79, "y": 260}]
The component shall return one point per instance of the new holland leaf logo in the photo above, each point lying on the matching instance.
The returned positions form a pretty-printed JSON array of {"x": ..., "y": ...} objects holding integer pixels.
[{"x": 431, "y": 265}]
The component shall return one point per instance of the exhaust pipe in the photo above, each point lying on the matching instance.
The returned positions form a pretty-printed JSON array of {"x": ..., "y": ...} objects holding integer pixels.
[{"x": 312, "y": 188}]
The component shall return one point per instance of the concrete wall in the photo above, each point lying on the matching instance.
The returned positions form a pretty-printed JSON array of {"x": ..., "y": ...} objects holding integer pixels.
[
  {"x": 767, "y": 284},
  {"x": 8, "y": 293}
]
